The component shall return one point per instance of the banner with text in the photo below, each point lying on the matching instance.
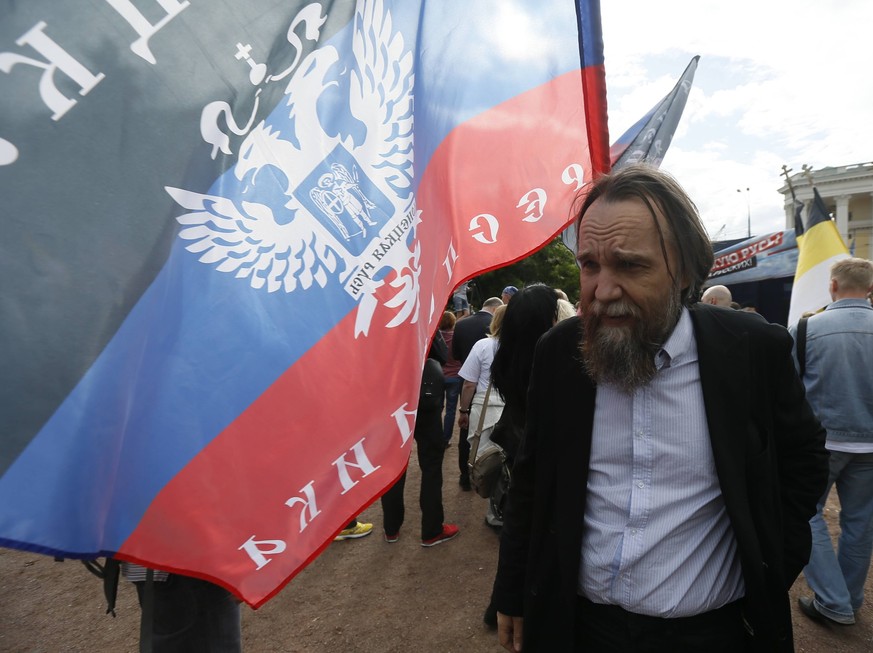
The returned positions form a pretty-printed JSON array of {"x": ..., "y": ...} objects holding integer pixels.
[{"x": 772, "y": 256}]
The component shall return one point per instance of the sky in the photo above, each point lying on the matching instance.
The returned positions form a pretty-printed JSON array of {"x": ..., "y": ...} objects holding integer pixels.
[{"x": 778, "y": 82}]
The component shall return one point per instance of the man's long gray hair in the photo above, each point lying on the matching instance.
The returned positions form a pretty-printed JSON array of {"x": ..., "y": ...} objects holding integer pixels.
[{"x": 685, "y": 230}]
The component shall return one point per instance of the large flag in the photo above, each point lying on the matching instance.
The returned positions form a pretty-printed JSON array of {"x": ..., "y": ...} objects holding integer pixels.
[
  {"x": 648, "y": 139},
  {"x": 230, "y": 230},
  {"x": 820, "y": 246}
]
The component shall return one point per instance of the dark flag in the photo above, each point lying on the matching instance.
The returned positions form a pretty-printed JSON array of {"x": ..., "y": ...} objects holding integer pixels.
[
  {"x": 650, "y": 137},
  {"x": 229, "y": 231},
  {"x": 798, "y": 216},
  {"x": 798, "y": 211}
]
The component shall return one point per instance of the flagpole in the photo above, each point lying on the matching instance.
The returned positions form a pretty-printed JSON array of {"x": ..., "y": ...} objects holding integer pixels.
[
  {"x": 797, "y": 204},
  {"x": 806, "y": 171},
  {"x": 748, "y": 212},
  {"x": 590, "y": 33}
]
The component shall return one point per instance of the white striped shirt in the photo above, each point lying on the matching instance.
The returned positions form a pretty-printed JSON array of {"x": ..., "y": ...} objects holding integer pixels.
[{"x": 657, "y": 539}]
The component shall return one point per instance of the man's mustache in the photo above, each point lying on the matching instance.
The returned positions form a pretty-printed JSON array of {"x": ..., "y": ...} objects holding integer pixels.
[{"x": 620, "y": 308}]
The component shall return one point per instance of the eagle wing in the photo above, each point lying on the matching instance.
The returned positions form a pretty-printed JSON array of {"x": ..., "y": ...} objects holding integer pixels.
[
  {"x": 381, "y": 95},
  {"x": 245, "y": 239}
]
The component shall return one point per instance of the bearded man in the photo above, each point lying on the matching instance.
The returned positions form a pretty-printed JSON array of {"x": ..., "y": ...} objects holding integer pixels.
[{"x": 661, "y": 497}]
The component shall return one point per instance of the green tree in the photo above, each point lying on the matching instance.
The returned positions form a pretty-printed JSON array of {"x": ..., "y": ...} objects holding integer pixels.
[{"x": 553, "y": 265}]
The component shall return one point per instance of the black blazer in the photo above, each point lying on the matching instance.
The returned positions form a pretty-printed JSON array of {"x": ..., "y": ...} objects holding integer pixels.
[
  {"x": 769, "y": 456},
  {"x": 469, "y": 331}
]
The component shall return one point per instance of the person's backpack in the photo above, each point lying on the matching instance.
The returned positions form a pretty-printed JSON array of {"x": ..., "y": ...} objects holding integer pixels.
[
  {"x": 801, "y": 345},
  {"x": 430, "y": 397}
]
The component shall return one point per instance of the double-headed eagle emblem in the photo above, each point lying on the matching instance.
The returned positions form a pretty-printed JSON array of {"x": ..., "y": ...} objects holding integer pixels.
[{"x": 318, "y": 181}]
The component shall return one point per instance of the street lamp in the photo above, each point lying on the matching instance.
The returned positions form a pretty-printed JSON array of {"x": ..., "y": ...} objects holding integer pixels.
[{"x": 748, "y": 211}]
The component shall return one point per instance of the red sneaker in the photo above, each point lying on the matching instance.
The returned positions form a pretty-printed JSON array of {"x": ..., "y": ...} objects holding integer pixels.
[{"x": 449, "y": 531}]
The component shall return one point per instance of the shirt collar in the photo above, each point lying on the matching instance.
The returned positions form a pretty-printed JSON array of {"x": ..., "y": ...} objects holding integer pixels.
[
  {"x": 679, "y": 343},
  {"x": 848, "y": 302}
]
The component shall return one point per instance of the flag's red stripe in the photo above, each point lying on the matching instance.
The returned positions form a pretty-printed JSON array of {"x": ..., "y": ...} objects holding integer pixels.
[
  {"x": 594, "y": 84},
  {"x": 525, "y": 143},
  {"x": 238, "y": 485}
]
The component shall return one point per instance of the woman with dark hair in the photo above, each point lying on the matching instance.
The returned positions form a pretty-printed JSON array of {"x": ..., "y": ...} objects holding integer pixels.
[{"x": 532, "y": 312}]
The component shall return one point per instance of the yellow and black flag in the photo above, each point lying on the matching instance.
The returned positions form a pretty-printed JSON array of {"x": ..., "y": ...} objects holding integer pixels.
[{"x": 820, "y": 246}]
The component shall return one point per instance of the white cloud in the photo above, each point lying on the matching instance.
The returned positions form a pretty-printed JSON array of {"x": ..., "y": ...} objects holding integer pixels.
[
  {"x": 519, "y": 33},
  {"x": 779, "y": 82}
]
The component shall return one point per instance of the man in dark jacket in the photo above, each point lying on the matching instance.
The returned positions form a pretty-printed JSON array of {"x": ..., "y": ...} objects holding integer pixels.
[
  {"x": 430, "y": 447},
  {"x": 670, "y": 462},
  {"x": 470, "y": 330}
]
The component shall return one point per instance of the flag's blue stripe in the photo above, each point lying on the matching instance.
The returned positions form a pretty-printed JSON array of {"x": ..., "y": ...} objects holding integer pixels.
[{"x": 200, "y": 346}]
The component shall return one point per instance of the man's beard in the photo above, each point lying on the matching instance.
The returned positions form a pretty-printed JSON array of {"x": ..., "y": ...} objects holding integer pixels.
[{"x": 625, "y": 356}]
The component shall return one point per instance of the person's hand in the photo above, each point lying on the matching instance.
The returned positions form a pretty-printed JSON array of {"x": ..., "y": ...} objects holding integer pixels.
[
  {"x": 464, "y": 420},
  {"x": 509, "y": 631}
]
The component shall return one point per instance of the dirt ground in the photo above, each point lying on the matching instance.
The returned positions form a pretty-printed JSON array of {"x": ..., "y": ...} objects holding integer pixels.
[{"x": 358, "y": 596}]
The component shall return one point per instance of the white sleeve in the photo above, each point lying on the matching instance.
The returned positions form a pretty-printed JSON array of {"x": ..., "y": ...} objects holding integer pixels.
[{"x": 471, "y": 370}]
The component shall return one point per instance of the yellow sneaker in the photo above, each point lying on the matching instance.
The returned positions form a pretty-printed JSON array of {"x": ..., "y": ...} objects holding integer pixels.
[{"x": 358, "y": 530}]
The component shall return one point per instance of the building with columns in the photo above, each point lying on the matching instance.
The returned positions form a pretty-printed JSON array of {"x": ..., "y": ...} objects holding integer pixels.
[{"x": 847, "y": 191}]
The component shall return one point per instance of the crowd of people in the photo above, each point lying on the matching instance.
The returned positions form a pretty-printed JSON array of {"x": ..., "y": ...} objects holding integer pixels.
[{"x": 667, "y": 454}]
